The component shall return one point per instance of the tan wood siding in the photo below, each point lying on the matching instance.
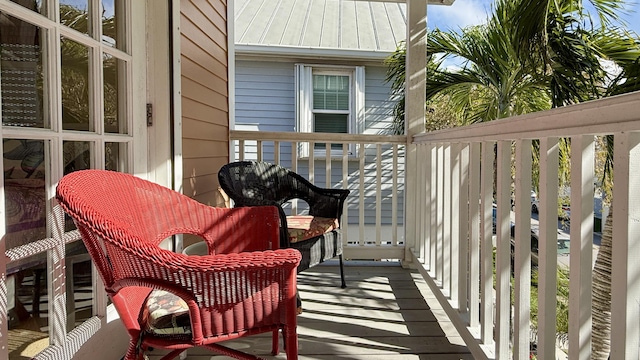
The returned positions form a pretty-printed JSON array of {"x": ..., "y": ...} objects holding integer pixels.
[{"x": 205, "y": 96}]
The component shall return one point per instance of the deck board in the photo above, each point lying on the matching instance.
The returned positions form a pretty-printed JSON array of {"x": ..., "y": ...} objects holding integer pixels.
[{"x": 386, "y": 312}]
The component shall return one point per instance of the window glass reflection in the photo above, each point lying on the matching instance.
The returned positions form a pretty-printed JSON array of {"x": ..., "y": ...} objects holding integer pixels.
[
  {"x": 21, "y": 73},
  {"x": 79, "y": 284},
  {"x": 74, "y": 14},
  {"x": 76, "y": 155},
  {"x": 75, "y": 85},
  {"x": 24, "y": 187},
  {"x": 25, "y": 217},
  {"x": 115, "y": 156},
  {"x": 114, "y": 94},
  {"x": 112, "y": 23},
  {"x": 27, "y": 307},
  {"x": 35, "y": 5}
]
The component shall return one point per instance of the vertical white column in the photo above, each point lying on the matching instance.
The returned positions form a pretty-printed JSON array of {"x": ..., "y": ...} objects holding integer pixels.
[{"x": 415, "y": 95}]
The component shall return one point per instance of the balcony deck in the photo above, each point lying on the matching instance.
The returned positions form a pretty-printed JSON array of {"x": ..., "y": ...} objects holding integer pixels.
[{"x": 386, "y": 312}]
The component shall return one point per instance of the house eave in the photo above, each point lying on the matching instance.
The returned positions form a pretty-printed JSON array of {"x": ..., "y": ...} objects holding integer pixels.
[{"x": 302, "y": 52}]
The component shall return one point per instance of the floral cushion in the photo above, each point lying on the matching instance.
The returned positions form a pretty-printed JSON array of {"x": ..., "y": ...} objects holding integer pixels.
[
  {"x": 303, "y": 227},
  {"x": 166, "y": 314}
]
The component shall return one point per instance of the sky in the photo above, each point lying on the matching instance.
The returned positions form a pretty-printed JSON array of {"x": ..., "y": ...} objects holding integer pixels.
[
  {"x": 473, "y": 12},
  {"x": 465, "y": 13}
]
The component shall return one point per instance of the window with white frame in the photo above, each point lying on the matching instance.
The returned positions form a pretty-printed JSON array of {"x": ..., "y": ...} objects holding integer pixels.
[
  {"x": 69, "y": 77},
  {"x": 329, "y": 99}
]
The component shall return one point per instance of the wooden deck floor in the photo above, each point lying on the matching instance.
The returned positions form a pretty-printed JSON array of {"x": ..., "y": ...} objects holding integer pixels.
[{"x": 386, "y": 312}]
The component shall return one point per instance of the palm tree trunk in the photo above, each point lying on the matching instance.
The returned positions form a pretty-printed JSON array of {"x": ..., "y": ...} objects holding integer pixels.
[{"x": 601, "y": 295}]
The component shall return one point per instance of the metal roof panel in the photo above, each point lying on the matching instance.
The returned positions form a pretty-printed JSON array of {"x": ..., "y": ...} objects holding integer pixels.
[{"x": 321, "y": 24}]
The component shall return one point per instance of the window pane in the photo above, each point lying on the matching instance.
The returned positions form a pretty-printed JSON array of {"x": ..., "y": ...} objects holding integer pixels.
[
  {"x": 79, "y": 284},
  {"x": 75, "y": 85},
  {"x": 113, "y": 23},
  {"x": 25, "y": 216},
  {"x": 74, "y": 14},
  {"x": 24, "y": 186},
  {"x": 27, "y": 309},
  {"x": 114, "y": 94},
  {"x": 115, "y": 156},
  {"x": 330, "y": 123},
  {"x": 76, "y": 156},
  {"x": 330, "y": 92},
  {"x": 21, "y": 73},
  {"x": 35, "y": 5}
]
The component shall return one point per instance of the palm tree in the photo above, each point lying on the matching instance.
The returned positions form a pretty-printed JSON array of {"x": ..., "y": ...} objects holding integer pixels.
[
  {"x": 621, "y": 48},
  {"x": 530, "y": 56}
]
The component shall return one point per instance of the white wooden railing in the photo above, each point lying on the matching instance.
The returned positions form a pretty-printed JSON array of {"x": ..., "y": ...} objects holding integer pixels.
[
  {"x": 453, "y": 242},
  {"x": 371, "y": 166},
  {"x": 451, "y": 239}
]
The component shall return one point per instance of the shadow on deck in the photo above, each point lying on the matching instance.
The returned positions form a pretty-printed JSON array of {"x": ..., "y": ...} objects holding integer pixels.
[{"x": 386, "y": 312}]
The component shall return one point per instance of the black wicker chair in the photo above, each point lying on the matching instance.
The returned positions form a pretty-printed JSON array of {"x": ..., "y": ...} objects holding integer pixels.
[{"x": 250, "y": 183}]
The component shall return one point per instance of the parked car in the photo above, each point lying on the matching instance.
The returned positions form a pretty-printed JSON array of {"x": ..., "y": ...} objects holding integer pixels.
[
  {"x": 562, "y": 241},
  {"x": 564, "y": 212},
  {"x": 494, "y": 217}
]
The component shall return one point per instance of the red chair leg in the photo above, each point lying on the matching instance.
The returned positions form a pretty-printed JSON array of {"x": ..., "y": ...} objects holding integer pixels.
[
  {"x": 290, "y": 342},
  {"x": 275, "y": 344}
]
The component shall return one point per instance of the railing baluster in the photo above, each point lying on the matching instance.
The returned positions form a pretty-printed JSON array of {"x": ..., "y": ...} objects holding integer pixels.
[
  {"x": 425, "y": 216},
  {"x": 344, "y": 225},
  {"x": 580, "y": 258},
  {"x": 394, "y": 196},
  {"x": 440, "y": 212},
  {"x": 625, "y": 292},
  {"x": 486, "y": 276},
  {"x": 446, "y": 221},
  {"x": 361, "y": 153},
  {"x": 522, "y": 251},
  {"x": 312, "y": 162},
  {"x": 294, "y": 167},
  {"x": 474, "y": 235},
  {"x": 463, "y": 225},
  {"x": 327, "y": 165},
  {"x": 455, "y": 221},
  {"x": 259, "y": 150},
  {"x": 547, "y": 247},
  {"x": 379, "y": 192},
  {"x": 433, "y": 208},
  {"x": 241, "y": 149},
  {"x": 276, "y": 152},
  {"x": 503, "y": 253}
]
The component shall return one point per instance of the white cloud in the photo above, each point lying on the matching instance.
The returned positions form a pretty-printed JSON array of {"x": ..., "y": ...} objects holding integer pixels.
[{"x": 461, "y": 14}]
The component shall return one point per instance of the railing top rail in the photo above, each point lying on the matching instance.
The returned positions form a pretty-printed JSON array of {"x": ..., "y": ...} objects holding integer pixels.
[
  {"x": 318, "y": 137},
  {"x": 604, "y": 116}
]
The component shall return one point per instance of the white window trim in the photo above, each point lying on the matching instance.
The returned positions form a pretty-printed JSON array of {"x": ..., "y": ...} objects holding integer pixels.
[
  {"x": 64, "y": 343},
  {"x": 304, "y": 103}
]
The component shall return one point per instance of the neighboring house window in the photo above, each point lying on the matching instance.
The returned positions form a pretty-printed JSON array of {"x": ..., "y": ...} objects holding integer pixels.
[{"x": 329, "y": 100}]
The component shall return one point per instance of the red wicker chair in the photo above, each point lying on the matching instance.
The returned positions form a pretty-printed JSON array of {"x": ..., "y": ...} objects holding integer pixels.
[{"x": 236, "y": 290}]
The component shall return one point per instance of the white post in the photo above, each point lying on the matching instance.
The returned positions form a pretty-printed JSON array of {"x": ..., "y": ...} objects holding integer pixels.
[{"x": 415, "y": 95}]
